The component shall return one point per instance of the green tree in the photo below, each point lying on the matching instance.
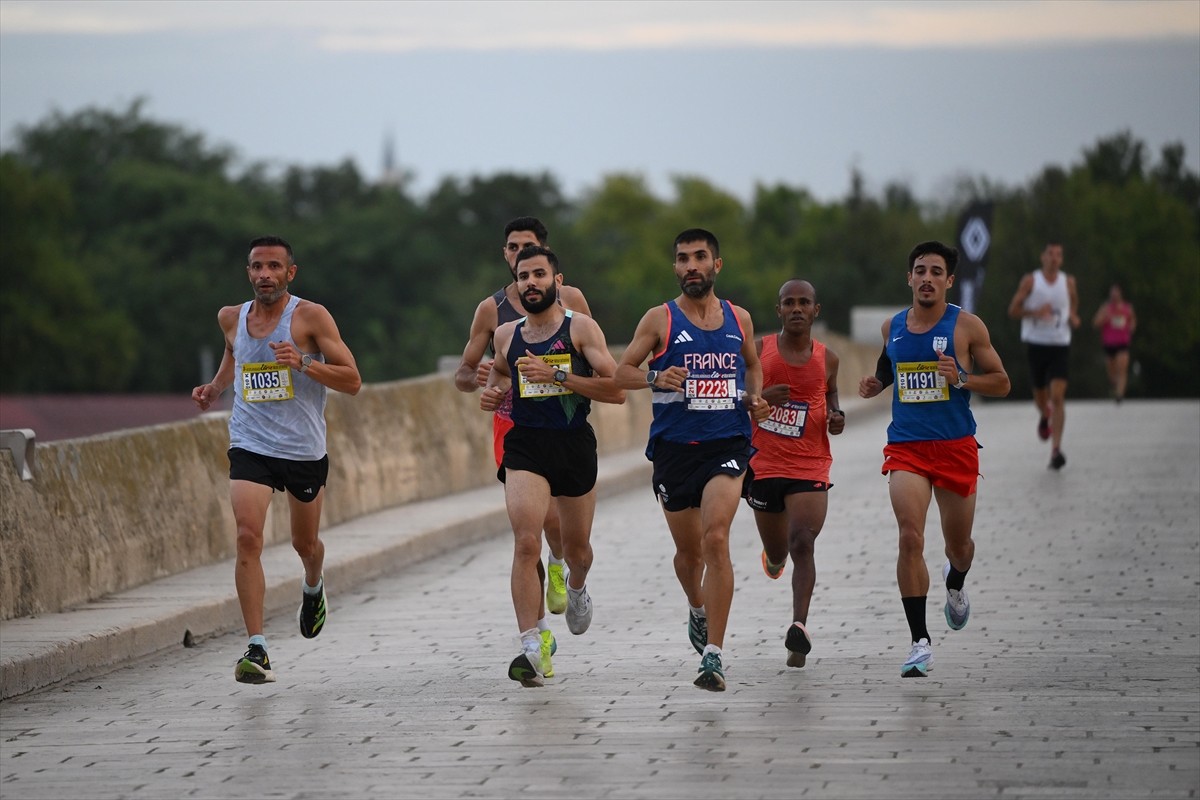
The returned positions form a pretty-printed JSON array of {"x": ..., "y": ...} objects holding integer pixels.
[
  {"x": 57, "y": 333},
  {"x": 123, "y": 235},
  {"x": 1118, "y": 222},
  {"x": 622, "y": 256}
]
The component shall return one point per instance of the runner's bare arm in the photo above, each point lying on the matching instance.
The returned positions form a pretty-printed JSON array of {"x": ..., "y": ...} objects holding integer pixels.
[
  {"x": 988, "y": 376},
  {"x": 499, "y": 381},
  {"x": 1016, "y": 308},
  {"x": 1073, "y": 294},
  {"x": 601, "y": 385},
  {"x": 206, "y": 394},
  {"x": 472, "y": 370},
  {"x": 573, "y": 299},
  {"x": 647, "y": 339},
  {"x": 312, "y": 323},
  {"x": 835, "y": 418},
  {"x": 759, "y": 409}
]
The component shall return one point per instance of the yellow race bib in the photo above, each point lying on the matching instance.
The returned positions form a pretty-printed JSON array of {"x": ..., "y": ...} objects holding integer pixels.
[
  {"x": 919, "y": 382},
  {"x": 529, "y": 389},
  {"x": 267, "y": 381}
]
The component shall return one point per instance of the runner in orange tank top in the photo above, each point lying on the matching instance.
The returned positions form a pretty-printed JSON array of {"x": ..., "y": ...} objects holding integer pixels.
[{"x": 791, "y": 465}]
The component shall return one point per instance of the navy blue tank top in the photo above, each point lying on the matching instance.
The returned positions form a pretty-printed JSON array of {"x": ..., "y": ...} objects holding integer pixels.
[
  {"x": 548, "y": 405},
  {"x": 710, "y": 405}
]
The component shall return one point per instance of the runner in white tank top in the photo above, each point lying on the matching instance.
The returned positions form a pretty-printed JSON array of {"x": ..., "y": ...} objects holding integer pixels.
[{"x": 1047, "y": 304}]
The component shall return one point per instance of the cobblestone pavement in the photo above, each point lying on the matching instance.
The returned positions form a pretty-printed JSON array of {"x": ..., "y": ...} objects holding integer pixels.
[{"x": 1077, "y": 677}]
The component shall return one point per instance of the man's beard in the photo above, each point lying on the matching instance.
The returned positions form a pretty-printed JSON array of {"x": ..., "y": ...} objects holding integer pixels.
[
  {"x": 548, "y": 298},
  {"x": 269, "y": 297},
  {"x": 697, "y": 290}
]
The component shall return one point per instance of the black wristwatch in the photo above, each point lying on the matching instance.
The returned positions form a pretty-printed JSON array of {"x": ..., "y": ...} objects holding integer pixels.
[
  {"x": 651, "y": 377},
  {"x": 962, "y": 380},
  {"x": 560, "y": 376}
]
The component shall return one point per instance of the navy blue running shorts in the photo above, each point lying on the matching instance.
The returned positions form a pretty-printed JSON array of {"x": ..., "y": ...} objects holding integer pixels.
[{"x": 681, "y": 471}]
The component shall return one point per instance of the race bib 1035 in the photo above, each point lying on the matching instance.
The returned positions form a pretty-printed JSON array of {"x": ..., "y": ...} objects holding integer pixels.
[{"x": 266, "y": 381}]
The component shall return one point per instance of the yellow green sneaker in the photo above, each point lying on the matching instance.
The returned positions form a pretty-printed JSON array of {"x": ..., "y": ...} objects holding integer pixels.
[
  {"x": 556, "y": 589},
  {"x": 254, "y": 667},
  {"x": 549, "y": 648}
]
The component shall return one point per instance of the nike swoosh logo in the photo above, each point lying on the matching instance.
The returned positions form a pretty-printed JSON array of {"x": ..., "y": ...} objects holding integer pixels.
[{"x": 898, "y": 338}]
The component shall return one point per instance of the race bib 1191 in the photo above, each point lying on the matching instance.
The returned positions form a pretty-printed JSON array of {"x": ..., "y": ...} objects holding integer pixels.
[{"x": 919, "y": 382}]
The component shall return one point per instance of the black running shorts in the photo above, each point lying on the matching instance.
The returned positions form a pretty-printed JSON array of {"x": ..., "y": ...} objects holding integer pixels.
[
  {"x": 767, "y": 494},
  {"x": 566, "y": 459},
  {"x": 303, "y": 479},
  {"x": 1047, "y": 362}
]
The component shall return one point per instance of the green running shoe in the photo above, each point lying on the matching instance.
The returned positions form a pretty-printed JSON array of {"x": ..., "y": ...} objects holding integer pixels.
[
  {"x": 712, "y": 676},
  {"x": 556, "y": 589},
  {"x": 312, "y": 613},
  {"x": 549, "y": 647},
  {"x": 254, "y": 667}
]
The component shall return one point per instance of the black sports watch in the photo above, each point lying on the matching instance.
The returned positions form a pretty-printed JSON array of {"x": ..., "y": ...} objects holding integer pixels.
[
  {"x": 560, "y": 376},
  {"x": 962, "y": 380},
  {"x": 305, "y": 362},
  {"x": 651, "y": 377}
]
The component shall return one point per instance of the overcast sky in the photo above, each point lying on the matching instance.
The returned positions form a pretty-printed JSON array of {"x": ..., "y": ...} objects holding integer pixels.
[{"x": 739, "y": 93}]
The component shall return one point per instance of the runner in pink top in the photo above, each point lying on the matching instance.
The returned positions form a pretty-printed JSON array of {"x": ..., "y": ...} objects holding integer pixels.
[{"x": 1116, "y": 322}]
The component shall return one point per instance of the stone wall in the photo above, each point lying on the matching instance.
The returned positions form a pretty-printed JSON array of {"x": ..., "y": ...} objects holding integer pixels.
[{"x": 107, "y": 513}]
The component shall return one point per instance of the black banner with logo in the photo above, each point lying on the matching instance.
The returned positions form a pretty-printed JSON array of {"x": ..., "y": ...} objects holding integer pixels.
[{"x": 973, "y": 240}]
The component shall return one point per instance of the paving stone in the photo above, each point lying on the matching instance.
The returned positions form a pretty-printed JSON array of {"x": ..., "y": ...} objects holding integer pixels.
[{"x": 1078, "y": 675}]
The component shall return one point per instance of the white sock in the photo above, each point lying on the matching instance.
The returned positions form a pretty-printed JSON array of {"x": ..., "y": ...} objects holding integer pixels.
[
  {"x": 553, "y": 560},
  {"x": 711, "y": 648},
  {"x": 698, "y": 611},
  {"x": 543, "y": 625},
  {"x": 313, "y": 589}
]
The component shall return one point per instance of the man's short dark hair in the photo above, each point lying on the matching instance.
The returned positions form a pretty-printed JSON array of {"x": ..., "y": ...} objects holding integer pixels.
[
  {"x": 274, "y": 241},
  {"x": 935, "y": 248},
  {"x": 531, "y": 251},
  {"x": 531, "y": 224},
  {"x": 696, "y": 235}
]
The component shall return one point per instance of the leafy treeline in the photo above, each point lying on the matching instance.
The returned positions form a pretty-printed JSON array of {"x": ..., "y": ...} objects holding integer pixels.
[{"x": 123, "y": 235}]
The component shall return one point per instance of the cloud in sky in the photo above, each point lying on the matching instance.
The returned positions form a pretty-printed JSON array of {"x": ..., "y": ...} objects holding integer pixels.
[
  {"x": 390, "y": 26},
  {"x": 794, "y": 92}
]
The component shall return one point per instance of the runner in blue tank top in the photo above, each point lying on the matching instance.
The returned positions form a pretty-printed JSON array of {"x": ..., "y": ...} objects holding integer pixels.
[
  {"x": 935, "y": 354},
  {"x": 554, "y": 363},
  {"x": 281, "y": 355},
  {"x": 706, "y": 382}
]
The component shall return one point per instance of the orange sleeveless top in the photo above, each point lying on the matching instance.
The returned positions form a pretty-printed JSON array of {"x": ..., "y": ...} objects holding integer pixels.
[{"x": 794, "y": 441}]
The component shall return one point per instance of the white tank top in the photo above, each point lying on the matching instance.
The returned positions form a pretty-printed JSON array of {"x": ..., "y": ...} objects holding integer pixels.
[
  {"x": 277, "y": 411},
  {"x": 1055, "y": 330}
]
